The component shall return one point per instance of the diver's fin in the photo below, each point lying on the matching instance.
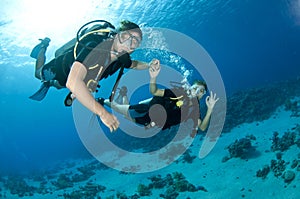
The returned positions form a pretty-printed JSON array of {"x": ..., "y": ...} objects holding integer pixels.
[
  {"x": 35, "y": 51},
  {"x": 44, "y": 44},
  {"x": 122, "y": 93},
  {"x": 41, "y": 93},
  {"x": 119, "y": 98}
]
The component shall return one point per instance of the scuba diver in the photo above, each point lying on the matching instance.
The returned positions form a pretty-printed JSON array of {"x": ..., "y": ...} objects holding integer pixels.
[
  {"x": 96, "y": 53},
  {"x": 179, "y": 104},
  {"x": 122, "y": 96}
]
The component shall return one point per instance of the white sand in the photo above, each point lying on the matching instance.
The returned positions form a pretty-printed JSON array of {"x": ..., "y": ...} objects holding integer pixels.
[{"x": 235, "y": 178}]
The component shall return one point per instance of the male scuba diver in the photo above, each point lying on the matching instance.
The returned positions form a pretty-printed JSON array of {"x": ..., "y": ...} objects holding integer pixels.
[
  {"x": 122, "y": 96},
  {"x": 179, "y": 104},
  {"x": 98, "y": 52}
]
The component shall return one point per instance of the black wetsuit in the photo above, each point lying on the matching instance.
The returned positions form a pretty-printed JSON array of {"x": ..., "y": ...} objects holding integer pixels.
[
  {"x": 94, "y": 53},
  {"x": 171, "y": 115}
]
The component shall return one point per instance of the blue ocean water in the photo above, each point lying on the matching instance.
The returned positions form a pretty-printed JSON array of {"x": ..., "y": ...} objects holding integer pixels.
[{"x": 253, "y": 43}]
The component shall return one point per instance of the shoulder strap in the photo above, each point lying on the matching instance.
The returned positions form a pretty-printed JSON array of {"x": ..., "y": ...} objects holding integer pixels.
[
  {"x": 104, "y": 32},
  {"x": 113, "y": 92}
]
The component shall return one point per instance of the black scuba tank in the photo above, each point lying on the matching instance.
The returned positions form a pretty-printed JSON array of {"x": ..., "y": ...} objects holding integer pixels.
[{"x": 85, "y": 30}]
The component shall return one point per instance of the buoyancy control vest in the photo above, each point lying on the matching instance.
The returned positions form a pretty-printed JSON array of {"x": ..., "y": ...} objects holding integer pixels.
[
  {"x": 104, "y": 31},
  {"x": 179, "y": 107}
]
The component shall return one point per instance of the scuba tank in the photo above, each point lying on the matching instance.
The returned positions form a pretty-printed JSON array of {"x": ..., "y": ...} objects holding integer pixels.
[
  {"x": 106, "y": 30},
  {"x": 102, "y": 27},
  {"x": 66, "y": 47}
]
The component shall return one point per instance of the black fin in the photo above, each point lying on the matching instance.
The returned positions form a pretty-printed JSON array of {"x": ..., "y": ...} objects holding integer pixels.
[
  {"x": 44, "y": 44},
  {"x": 35, "y": 51},
  {"x": 41, "y": 93}
]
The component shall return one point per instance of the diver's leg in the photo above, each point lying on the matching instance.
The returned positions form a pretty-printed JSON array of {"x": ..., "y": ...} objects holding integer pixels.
[
  {"x": 38, "y": 53},
  {"x": 146, "y": 101},
  {"x": 120, "y": 108},
  {"x": 40, "y": 61},
  {"x": 125, "y": 100},
  {"x": 122, "y": 96}
]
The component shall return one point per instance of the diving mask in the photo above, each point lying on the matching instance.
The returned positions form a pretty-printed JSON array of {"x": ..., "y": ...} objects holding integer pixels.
[
  {"x": 131, "y": 40},
  {"x": 197, "y": 89}
]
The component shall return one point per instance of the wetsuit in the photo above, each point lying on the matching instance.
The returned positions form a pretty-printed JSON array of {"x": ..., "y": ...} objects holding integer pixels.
[
  {"x": 175, "y": 113},
  {"x": 94, "y": 53}
]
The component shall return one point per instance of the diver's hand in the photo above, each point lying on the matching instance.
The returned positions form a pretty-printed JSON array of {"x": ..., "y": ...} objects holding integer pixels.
[
  {"x": 154, "y": 68},
  {"x": 110, "y": 121},
  {"x": 211, "y": 100}
]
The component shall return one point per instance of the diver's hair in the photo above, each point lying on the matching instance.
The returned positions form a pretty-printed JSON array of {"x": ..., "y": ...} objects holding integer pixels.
[
  {"x": 201, "y": 82},
  {"x": 128, "y": 25}
]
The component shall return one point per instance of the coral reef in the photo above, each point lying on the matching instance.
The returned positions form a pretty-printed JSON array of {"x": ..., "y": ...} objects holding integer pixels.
[
  {"x": 70, "y": 185},
  {"x": 144, "y": 190},
  {"x": 170, "y": 193},
  {"x": 288, "y": 176},
  {"x": 278, "y": 166},
  {"x": 262, "y": 173},
  {"x": 239, "y": 149},
  {"x": 283, "y": 143},
  {"x": 63, "y": 182},
  {"x": 254, "y": 104},
  {"x": 157, "y": 182},
  {"x": 173, "y": 184},
  {"x": 85, "y": 173},
  {"x": 49, "y": 181},
  {"x": 187, "y": 157},
  {"x": 121, "y": 195},
  {"x": 293, "y": 106},
  {"x": 296, "y": 129},
  {"x": 295, "y": 163},
  {"x": 90, "y": 190},
  {"x": 18, "y": 186}
]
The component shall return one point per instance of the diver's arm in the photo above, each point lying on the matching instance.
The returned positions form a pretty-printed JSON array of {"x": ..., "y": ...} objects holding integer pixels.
[
  {"x": 139, "y": 65},
  {"x": 154, "y": 71},
  {"x": 77, "y": 86},
  {"x": 210, "y": 103},
  {"x": 154, "y": 90},
  {"x": 204, "y": 123}
]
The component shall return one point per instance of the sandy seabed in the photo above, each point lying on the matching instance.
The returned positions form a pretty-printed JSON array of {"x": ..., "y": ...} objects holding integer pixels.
[{"x": 234, "y": 178}]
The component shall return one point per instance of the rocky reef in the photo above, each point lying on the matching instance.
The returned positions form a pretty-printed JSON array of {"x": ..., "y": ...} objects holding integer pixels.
[
  {"x": 240, "y": 148},
  {"x": 65, "y": 183},
  {"x": 254, "y": 104},
  {"x": 187, "y": 157},
  {"x": 18, "y": 186},
  {"x": 171, "y": 185},
  {"x": 52, "y": 181},
  {"x": 279, "y": 167},
  {"x": 262, "y": 173},
  {"x": 283, "y": 143},
  {"x": 90, "y": 190}
]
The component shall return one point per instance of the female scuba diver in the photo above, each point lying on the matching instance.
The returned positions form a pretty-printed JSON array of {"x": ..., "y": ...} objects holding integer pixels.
[{"x": 179, "y": 104}]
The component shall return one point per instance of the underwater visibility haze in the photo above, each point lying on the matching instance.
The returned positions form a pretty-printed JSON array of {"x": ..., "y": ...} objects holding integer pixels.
[{"x": 254, "y": 44}]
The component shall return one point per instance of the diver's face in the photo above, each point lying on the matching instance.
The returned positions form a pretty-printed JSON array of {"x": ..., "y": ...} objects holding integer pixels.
[
  {"x": 197, "y": 91},
  {"x": 128, "y": 41}
]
